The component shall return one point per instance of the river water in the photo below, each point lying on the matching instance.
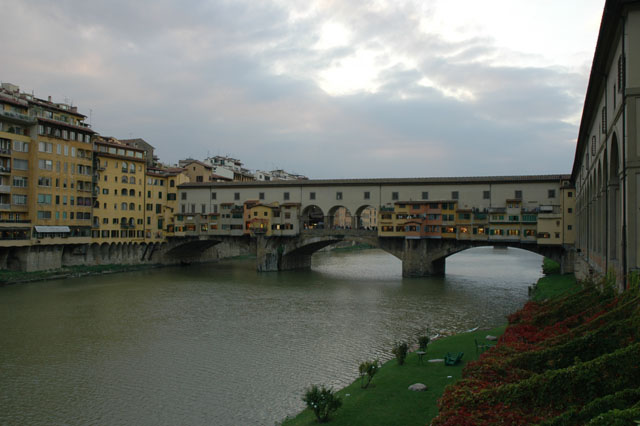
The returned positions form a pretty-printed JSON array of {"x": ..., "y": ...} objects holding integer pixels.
[{"x": 224, "y": 345}]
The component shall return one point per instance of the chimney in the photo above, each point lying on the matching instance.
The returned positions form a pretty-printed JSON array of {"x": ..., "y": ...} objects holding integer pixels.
[{"x": 49, "y": 98}]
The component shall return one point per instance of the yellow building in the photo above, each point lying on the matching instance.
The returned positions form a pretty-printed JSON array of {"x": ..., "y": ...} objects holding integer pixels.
[
  {"x": 15, "y": 146},
  {"x": 118, "y": 214},
  {"x": 45, "y": 168},
  {"x": 161, "y": 193}
]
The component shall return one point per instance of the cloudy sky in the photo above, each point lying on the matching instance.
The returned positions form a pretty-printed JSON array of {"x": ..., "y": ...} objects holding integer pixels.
[{"x": 329, "y": 89}]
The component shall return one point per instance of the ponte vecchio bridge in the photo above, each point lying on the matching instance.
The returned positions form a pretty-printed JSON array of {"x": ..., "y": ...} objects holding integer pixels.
[{"x": 419, "y": 220}]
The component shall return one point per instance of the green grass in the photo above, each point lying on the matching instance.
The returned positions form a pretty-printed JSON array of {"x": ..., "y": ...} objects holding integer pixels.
[
  {"x": 556, "y": 285},
  {"x": 550, "y": 266},
  {"x": 387, "y": 401}
]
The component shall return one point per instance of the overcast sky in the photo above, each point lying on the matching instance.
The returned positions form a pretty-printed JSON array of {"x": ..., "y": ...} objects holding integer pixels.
[{"x": 329, "y": 89}]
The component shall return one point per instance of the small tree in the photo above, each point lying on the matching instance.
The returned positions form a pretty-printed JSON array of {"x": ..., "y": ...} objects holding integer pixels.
[
  {"x": 400, "y": 350},
  {"x": 423, "y": 341},
  {"x": 368, "y": 369},
  {"x": 323, "y": 401}
]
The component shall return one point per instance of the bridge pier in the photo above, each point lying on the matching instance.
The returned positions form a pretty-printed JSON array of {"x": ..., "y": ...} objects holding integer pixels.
[
  {"x": 273, "y": 254},
  {"x": 422, "y": 258}
]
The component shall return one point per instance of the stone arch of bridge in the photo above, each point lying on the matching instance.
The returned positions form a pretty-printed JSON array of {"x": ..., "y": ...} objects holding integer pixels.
[
  {"x": 366, "y": 217},
  {"x": 340, "y": 217},
  {"x": 312, "y": 217},
  {"x": 191, "y": 249}
]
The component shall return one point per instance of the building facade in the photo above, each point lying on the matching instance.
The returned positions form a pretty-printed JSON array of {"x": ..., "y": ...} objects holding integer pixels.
[{"x": 606, "y": 169}]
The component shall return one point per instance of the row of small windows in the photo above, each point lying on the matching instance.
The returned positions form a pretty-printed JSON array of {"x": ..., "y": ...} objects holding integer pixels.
[
  {"x": 63, "y": 134},
  {"x": 395, "y": 196},
  {"x": 120, "y": 151},
  {"x": 46, "y": 214},
  {"x": 48, "y": 198}
]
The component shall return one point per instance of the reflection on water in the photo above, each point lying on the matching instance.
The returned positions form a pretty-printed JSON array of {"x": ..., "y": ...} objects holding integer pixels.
[{"x": 221, "y": 344}]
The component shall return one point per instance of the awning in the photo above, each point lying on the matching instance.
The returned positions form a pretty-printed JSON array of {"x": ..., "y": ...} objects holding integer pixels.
[{"x": 52, "y": 229}]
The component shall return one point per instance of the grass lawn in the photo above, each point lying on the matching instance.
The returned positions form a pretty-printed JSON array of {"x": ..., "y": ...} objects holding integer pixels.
[
  {"x": 555, "y": 285},
  {"x": 387, "y": 401}
]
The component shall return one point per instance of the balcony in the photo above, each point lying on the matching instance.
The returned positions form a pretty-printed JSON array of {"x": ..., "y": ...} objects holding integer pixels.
[
  {"x": 5, "y": 189},
  {"x": 5, "y": 169},
  {"x": 5, "y": 151},
  {"x": 4, "y": 206},
  {"x": 127, "y": 226},
  {"x": 17, "y": 117}
]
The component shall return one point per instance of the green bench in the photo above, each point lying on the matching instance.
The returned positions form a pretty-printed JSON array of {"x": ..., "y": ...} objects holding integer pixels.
[{"x": 453, "y": 358}]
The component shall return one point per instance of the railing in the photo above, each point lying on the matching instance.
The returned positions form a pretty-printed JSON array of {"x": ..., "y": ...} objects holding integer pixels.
[
  {"x": 5, "y": 169},
  {"x": 14, "y": 221},
  {"x": 5, "y": 151},
  {"x": 337, "y": 232},
  {"x": 17, "y": 116},
  {"x": 5, "y": 206},
  {"x": 5, "y": 188}
]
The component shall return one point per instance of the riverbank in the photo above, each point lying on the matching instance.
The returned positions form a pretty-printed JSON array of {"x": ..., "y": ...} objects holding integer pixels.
[
  {"x": 388, "y": 400},
  {"x": 18, "y": 277}
]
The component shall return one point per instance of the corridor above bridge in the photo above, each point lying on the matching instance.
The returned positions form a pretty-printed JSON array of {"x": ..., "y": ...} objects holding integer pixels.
[{"x": 502, "y": 208}]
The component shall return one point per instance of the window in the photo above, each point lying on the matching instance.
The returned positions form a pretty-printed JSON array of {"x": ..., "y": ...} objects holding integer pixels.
[
  {"x": 552, "y": 193},
  {"x": 518, "y": 194},
  {"x": 172, "y": 183},
  {"x": 569, "y": 194},
  {"x": 338, "y": 195},
  {"x": 171, "y": 197},
  {"x": 19, "y": 199},
  {"x": 486, "y": 195},
  {"x": 159, "y": 195},
  {"x": 312, "y": 195},
  {"x": 203, "y": 208},
  {"x": 286, "y": 195},
  {"x": 149, "y": 207},
  {"x": 569, "y": 210},
  {"x": 367, "y": 195},
  {"x": 425, "y": 195},
  {"x": 604, "y": 119},
  {"x": 454, "y": 195},
  {"x": 44, "y": 198},
  {"x": 261, "y": 195},
  {"x": 21, "y": 146},
  {"x": 213, "y": 196},
  {"x": 236, "y": 195},
  {"x": 569, "y": 227},
  {"x": 395, "y": 196},
  {"x": 183, "y": 196},
  {"x": 159, "y": 208},
  {"x": 45, "y": 164},
  {"x": 66, "y": 150},
  {"x": 20, "y": 181},
  {"x": 45, "y": 147},
  {"x": 44, "y": 214},
  {"x": 44, "y": 181},
  {"x": 20, "y": 164}
]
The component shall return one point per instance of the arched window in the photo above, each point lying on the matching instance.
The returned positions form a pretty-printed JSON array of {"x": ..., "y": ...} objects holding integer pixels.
[
  {"x": 132, "y": 206},
  {"x": 123, "y": 206},
  {"x": 124, "y": 191},
  {"x": 132, "y": 192},
  {"x": 132, "y": 180},
  {"x": 125, "y": 179},
  {"x": 132, "y": 168}
]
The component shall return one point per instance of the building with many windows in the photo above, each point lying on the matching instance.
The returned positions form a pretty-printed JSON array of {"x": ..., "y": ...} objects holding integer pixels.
[
  {"x": 48, "y": 163},
  {"x": 118, "y": 214},
  {"x": 606, "y": 168}
]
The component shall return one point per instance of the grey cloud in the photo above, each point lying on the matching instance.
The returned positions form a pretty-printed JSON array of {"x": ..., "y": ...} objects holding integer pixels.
[{"x": 198, "y": 78}]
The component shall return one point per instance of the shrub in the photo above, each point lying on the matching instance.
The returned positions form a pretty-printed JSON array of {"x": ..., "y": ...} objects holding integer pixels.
[
  {"x": 550, "y": 266},
  {"x": 423, "y": 341},
  {"x": 368, "y": 369},
  {"x": 323, "y": 401},
  {"x": 400, "y": 350}
]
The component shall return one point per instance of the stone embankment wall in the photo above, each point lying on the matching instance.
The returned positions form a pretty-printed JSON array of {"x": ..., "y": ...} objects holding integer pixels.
[{"x": 57, "y": 256}]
